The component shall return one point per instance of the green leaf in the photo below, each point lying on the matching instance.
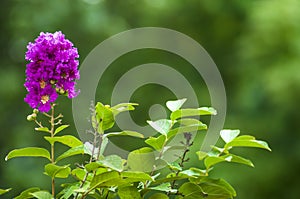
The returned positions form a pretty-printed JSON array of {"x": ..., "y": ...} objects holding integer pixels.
[
  {"x": 210, "y": 161},
  {"x": 125, "y": 133},
  {"x": 201, "y": 154},
  {"x": 247, "y": 141},
  {"x": 28, "y": 152},
  {"x": 113, "y": 161},
  {"x": 104, "y": 117},
  {"x": 193, "y": 172},
  {"x": 71, "y": 152},
  {"x": 156, "y": 142},
  {"x": 141, "y": 159},
  {"x": 42, "y": 129},
  {"x": 27, "y": 193},
  {"x": 228, "y": 135},
  {"x": 165, "y": 187},
  {"x": 175, "y": 105},
  {"x": 123, "y": 107},
  {"x": 192, "y": 191},
  {"x": 217, "y": 189},
  {"x": 68, "y": 140},
  {"x": 104, "y": 177},
  {"x": 185, "y": 129},
  {"x": 60, "y": 128},
  {"x": 136, "y": 176},
  {"x": 192, "y": 112},
  {"x": 79, "y": 173},
  {"x": 3, "y": 191},
  {"x": 129, "y": 192},
  {"x": 56, "y": 171},
  {"x": 159, "y": 196},
  {"x": 42, "y": 195},
  {"x": 162, "y": 126}
]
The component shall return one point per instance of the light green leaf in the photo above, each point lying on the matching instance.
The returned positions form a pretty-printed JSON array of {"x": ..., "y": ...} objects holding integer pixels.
[
  {"x": 136, "y": 175},
  {"x": 165, "y": 187},
  {"x": 175, "y": 105},
  {"x": 162, "y": 126},
  {"x": 129, "y": 192},
  {"x": 210, "y": 161},
  {"x": 159, "y": 196},
  {"x": 56, "y": 171},
  {"x": 104, "y": 117},
  {"x": 125, "y": 133},
  {"x": 3, "y": 191},
  {"x": 68, "y": 140},
  {"x": 112, "y": 161},
  {"x": 42, "y": 129},
  {"x": 192, "y": 112},
  {"x": 123, "y": 107},
  {"x": 104, "y": 177},
  {"x": 27, "y": 193},
  {"x": 193, "y": 172},
  {"x": 201, "y": 154},
  {"x": 185, "y": 129},
  {"x": 78, "y": 173},
  {"x": 247, "y": 141},
  {"x": 60, "y": 128},
  {"x": 141, "y": 159},
  {"x": 28, "y": 152},
  {"x": 156, "y": 142},
  {"x": 71, "y": 152},
  {"x": 103, "y": 145},
  {"x": 42, "y": 195},
  {"x": 228, "y": 135}
]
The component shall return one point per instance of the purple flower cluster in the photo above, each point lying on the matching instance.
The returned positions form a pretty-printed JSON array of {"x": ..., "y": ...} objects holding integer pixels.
[{"x": 52, "y": 70}]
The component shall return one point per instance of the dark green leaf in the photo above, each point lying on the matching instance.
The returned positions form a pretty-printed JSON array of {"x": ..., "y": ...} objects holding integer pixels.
[
  {"x": 159, "y": 196},
  {"x": 192, "y": 191},
  {"x": 217, "y": 189},
  {"x": 28, "y": 152},
  {"x": 129, "y": 192}
]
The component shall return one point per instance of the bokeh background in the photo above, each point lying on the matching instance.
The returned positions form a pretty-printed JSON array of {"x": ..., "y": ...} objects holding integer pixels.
[{"x": 255, "y": 44}]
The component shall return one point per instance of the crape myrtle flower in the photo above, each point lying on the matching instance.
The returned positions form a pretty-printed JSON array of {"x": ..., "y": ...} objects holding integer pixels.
[{"x": 52, "y": 70}]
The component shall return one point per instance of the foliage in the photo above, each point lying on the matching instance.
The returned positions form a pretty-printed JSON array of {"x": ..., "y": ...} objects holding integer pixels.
[{"x": 140, "y": 175}]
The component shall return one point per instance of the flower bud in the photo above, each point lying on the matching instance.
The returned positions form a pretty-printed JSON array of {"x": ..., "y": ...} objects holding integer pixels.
[
  {"x": 31, "y": 117},
  {"x": 36, "y": 111}
]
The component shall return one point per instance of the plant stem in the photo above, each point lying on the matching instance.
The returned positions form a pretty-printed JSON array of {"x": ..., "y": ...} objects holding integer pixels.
[
  {"x": 187, "y": 145},
  {"x": 52, "y": 120}
]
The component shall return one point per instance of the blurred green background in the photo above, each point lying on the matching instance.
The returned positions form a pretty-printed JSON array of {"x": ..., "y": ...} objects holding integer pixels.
[{"x": 255, "y": 44}]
